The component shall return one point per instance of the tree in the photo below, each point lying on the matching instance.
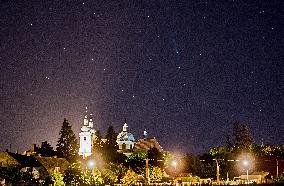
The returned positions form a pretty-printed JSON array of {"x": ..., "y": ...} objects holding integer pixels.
[
  {"x": 192, "y": 164},
  {"x": 118, "y": 169},
  {"x": 73, "y": 175},
  {"x": 96, "y": 178},
  {"x": 155, "y": 157},
  {"x": 67, "y": 144},
  {"x": 242, "y": 137},
  {"x": 57, "y": 179},
  {"x": 98, "y": 143},
  {"x": 109, "y": 176},
  {"x": 110, "y": 147},
  {"x": 137, "y": 161},
  {"x": 14, "y": 176},
  {"x": 156, "y": 174},
  {"x": 130, "y": 178},
  {"x": 46, "y": 150},
  {"x": 111, "y": 138}
]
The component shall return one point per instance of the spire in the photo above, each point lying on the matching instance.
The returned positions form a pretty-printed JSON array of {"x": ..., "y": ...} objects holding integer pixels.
[
  {"x": 124, "y": 120},
  {"x": 91, "y": 123},
  {"x": 125, "y": 126},
  {"x": 86, "y": 121},
  {"x": 145, "y": 133}
]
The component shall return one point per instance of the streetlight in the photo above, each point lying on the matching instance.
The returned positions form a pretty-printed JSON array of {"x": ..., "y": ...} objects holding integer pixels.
[
  {"x": 246, "y": 164},
  {"x": 217, "y": 171},
  {"x": 174, "y": 163},
  {"x": 91, "y": 165}
]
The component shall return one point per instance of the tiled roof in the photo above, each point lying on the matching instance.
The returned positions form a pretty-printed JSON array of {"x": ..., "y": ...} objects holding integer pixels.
[{"x": 146, "y": 144}]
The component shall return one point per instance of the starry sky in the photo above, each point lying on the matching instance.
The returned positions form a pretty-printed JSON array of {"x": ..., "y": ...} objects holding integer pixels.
[{"x": 184, "y": 70}]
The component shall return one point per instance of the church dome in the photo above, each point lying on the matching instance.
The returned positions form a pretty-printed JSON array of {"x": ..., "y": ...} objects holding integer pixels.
[{"x": 125, "y": 136}]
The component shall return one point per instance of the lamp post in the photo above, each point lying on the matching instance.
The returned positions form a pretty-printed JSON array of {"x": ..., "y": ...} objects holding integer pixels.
[
  {"x": 147, "y": 171},
  {"x": 174, "y": 164},
  {"x": 217, "y": 171},
  {"x": 91, "y": 165},
  {"x": 246, "y": 164}
]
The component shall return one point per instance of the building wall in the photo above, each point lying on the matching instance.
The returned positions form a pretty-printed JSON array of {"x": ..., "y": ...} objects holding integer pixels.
[{"x": 85, "y": 143}]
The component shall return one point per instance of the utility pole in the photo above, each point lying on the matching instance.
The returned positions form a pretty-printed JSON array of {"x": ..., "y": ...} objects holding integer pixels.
[
  {"x": 217, "y": 172},
  {"x": 147, "y": 171},
  {"x": 277, "y": 168}
]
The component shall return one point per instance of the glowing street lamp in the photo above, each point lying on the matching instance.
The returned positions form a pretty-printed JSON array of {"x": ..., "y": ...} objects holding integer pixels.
[
  {"x": 91, "y": 165},
  {"x": 246, "y": 164},
  {"x": 174, "y": 163}
]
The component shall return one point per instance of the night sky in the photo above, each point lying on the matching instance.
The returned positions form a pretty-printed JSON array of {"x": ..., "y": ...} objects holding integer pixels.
[{"x": 184, "y": 70}]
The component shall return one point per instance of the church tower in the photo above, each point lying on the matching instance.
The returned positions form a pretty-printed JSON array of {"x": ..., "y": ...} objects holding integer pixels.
[{"x": 86, "y": 135}]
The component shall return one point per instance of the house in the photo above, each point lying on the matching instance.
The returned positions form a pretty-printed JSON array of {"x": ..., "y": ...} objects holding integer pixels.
[{"x": 40, "y": 167}]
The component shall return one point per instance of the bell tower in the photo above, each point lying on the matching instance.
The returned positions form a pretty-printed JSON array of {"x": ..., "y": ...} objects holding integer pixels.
[{"x": 86, "y": 135}]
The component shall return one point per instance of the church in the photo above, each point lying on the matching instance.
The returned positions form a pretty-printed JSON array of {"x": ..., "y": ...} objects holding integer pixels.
[
  {"x": 87, "y": 135},
  {"x": 125, "y": 140}
]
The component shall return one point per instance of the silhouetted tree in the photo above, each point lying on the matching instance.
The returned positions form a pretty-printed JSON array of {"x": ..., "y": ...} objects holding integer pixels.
[
  {"x": 67, "y": 144},
  {"x": 110, "y": 147},
  {"x": 98, "y": 143},
  {"x": 46, "y": 150},
  {"x": 155, "y": 157},
  {"x": 192, "y": 164},
  {"x": 242, "y": 137}
]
